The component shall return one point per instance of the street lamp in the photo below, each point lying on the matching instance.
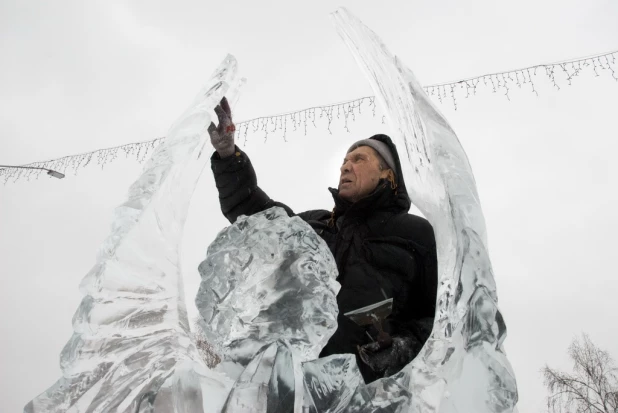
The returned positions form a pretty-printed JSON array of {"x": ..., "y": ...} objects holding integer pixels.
[{"x": 50, "y": 172}]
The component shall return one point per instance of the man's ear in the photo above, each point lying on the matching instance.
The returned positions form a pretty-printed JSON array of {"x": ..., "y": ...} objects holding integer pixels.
[
  {"x": 390, "y": 177},
  {"x": 387, "y": 173}
]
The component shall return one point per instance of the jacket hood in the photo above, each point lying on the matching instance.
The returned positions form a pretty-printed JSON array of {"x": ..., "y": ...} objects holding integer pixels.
[
  {"x": 403, "y": 199},
  {"x": 383, "y": 195}
]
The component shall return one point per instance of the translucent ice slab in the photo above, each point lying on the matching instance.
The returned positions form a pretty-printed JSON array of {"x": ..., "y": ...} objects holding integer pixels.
[
  {"x": 131, "y": 334},
  {"x": 463, "y": 366}
]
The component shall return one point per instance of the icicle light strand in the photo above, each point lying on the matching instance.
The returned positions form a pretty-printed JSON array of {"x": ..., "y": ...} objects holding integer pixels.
[{"x": 498, "y": 82}]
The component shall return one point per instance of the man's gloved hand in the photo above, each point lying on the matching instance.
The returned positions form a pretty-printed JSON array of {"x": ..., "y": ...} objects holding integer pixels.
[
  {"x": 222, "y": 136},
  {"x": 390, "y": 360}
]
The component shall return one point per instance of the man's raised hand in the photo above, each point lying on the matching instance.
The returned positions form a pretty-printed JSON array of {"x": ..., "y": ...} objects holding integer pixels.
[{"x": 222, "y": 136}]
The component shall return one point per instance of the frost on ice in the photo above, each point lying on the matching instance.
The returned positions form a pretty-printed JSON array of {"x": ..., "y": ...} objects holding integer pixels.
[{"x": 132, "y": 350}]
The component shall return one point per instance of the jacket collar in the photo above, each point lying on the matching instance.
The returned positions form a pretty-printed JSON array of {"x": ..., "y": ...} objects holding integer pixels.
[{"x": 382, "y": 198}]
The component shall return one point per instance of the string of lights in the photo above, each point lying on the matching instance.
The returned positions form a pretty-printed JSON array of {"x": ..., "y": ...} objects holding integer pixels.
[{"x": 599, "y": 64}]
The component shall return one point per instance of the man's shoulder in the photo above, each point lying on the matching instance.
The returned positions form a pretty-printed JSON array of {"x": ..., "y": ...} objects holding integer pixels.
[
  {"x": 410, "y": 220},
  {"x": 315, "y": 215},
  {"x": 411, "y": 227}
]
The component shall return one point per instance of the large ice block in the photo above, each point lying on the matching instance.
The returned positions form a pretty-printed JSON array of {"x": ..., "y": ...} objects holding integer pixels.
[
  {"x": 266, "y": 278},
  {"x": 131, "y": 334}
]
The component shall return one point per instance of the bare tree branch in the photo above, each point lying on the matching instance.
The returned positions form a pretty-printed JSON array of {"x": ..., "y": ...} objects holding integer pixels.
[{"x": 593, "y": 386}]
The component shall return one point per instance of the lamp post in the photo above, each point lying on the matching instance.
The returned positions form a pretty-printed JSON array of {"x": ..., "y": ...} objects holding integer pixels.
[{"x": 50, "y": 172}]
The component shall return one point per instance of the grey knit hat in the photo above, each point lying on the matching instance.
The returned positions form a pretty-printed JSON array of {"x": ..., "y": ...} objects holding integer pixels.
[{"x": 380, "y": 147}]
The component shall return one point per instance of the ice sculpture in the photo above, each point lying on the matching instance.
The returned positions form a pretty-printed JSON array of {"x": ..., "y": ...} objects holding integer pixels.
[
  {"x": 463, "y": 366},
  {"x": 131, "y": 335},
  {"x": 132, "y": 352},
  {"x": 266, "y": 278}
]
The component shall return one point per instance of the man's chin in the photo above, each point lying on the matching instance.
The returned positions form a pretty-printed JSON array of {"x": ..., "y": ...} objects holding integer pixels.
[{"x": 345, "y": 196}]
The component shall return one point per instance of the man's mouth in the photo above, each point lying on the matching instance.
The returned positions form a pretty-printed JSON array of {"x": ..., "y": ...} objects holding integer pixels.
[{"x": 345, "y": 181}]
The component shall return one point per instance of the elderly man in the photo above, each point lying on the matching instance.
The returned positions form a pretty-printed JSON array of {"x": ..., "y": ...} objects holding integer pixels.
[{"x": 381, "y": 251}]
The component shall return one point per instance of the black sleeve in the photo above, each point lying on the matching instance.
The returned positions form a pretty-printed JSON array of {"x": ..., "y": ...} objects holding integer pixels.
[
  {"x": 429, "y": 270},
  {"x": 236, "y": 182},
  {"x": 412, "y": 323},
  {"x": 418, "y": 328},
  {"x": 421, "y": 327}
]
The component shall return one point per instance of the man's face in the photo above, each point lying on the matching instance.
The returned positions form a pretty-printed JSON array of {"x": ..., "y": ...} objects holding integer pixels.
[{"x": 360, "y": 174}]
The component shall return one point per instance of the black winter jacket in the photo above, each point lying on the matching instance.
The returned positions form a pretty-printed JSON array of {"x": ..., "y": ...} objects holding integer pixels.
[{"x": 381, "y": 252}]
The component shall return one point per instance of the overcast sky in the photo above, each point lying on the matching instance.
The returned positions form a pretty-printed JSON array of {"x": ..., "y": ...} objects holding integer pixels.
[{"x": 77, "y": 76}]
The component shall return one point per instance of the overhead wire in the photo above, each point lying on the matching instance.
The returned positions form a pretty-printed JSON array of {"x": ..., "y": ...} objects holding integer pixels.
[{"x": 348, "y": 109}]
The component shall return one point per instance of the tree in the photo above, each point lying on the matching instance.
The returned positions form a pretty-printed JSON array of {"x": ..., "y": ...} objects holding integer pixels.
[{"x": 591, "y": 388}]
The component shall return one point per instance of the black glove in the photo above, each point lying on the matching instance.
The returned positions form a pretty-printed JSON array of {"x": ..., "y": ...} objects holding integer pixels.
[
  {"x": 388, "y": 361},
  {"x": 222, "y": 136}
]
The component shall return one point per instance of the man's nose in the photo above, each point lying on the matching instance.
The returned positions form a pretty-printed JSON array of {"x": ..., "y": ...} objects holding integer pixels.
[{"x": 345, "y": 167}]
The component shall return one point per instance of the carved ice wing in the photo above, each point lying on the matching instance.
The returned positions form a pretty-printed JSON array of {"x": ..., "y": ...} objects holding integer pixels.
[{"x": 131, "y": 330}]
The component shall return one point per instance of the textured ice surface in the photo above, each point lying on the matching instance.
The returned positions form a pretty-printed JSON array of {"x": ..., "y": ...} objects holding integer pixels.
[
  {"x": 131, "y": 334},
  {"x": 268, "y": 383},
  {"x": 463, "y": 366},
  {"x": 330, "y": 383},
  {"x": 266, "y": 278}
]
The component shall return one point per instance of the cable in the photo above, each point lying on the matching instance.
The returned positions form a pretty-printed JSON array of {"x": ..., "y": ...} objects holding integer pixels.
[{"x": 348, "y": 109}]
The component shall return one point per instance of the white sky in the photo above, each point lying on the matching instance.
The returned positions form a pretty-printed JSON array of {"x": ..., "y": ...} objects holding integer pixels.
[{"x": 77, "y": 76}]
